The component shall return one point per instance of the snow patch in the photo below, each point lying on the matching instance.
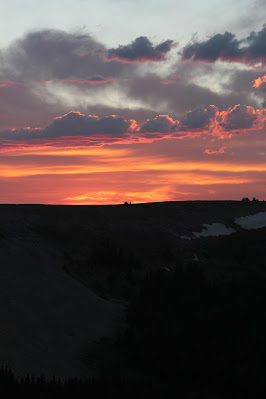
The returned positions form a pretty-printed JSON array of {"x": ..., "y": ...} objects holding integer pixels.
[
  {"x": 252, "y": 222},
  {"x": 214, "y": 230},
  {"x": 184, "y": 237}
]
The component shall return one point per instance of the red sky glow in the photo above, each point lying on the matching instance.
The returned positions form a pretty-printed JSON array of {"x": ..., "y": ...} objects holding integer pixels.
[{"x": 142, "y": 120}]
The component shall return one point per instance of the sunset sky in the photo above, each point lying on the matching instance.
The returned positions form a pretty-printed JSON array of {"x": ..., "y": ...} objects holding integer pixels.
[{"x": 131, "y": 100}]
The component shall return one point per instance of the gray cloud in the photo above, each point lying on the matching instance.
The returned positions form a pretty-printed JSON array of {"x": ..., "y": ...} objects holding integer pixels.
[
  {"x": 54, "y": 54},
  {"x": 227, "y": 48},
  {"x": 160, "y": 124},
  {"x": 199, "y": 118},
  {"x": 74, "y": 124},
  {"x": 176, "y": 99},
  {"x": 77, "y": 60},
  {"x": 19, "y": 107},
  {"x": 140, "y": 50},
  {"x": 239, "y": 117},
  {"x": 219, "y": 46},
  {"x": 108, "y": 129},
  {"x": 256, "y": 48}
]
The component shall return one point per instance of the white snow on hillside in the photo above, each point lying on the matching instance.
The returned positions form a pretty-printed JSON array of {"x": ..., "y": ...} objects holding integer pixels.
[
  {"x": 184, "y": 237},
  {"x": 214, "y": 230},
  {"x": 251, "y": 222}
]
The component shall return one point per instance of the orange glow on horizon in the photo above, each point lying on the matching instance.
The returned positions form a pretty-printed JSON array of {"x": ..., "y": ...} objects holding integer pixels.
[
  {"x": 135, "y": 166},
  {"x": 124, "y": 163},
  {"x": 112, "y": 197}
]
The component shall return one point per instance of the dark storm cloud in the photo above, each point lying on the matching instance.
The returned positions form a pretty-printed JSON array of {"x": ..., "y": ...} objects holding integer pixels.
[
  {"x": 256, "y": 48},
  {"x": 239, "y": 117},
  {"x": 226, "y": 47},
  {"x": 75, "y": 124},
  {"x": 219, "y": 46},
  {"x": 199, "y": 118},
  {"x": 160, "y": 124},
  {"x": 140, "y": 50}
]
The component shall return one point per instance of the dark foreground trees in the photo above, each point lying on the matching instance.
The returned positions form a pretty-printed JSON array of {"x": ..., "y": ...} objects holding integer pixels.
[
  {"x": 102, "y": 388},
  {"x": 185, "y": 334},
  {"x": 201, "y": 336}
]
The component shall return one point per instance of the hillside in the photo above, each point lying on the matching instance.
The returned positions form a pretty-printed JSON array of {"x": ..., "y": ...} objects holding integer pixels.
[
  {"x": 66, "y": 271},
  {"x": 146, "y": 229}
]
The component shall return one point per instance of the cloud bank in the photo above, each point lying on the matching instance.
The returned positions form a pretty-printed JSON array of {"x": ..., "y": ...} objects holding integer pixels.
[{"x": 110, "y": 129}]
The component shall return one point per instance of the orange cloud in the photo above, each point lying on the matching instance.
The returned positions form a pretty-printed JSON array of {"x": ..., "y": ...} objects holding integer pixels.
[
  {"x": 210, "y": 152},
  {"x": 258, "y": 82},
  {"x": 143, "y": 172},
  {"x": 239, "y": 118}
]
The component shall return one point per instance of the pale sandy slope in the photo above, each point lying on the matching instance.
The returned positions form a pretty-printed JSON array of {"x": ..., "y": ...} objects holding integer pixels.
[{"x": 46, "y": 317}]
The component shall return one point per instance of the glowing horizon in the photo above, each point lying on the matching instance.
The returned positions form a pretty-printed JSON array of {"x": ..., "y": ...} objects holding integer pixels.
[{"x": 143, "y": 118}]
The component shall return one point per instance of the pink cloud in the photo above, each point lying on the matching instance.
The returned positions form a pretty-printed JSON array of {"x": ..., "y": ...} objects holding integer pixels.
[
  {"x": 75, "y": 129},
  {"x": 210, "y": 152},
  {"x": 172, "y": 80},
  {"x": 168, "y": 82},
  {"x": 43, "y": 82},
  {"x": 138, "y": 60},
  {"x": 241, "y": 117},
  {"x": 88, "y": 82},
  {"x": 10, "y": 83}
]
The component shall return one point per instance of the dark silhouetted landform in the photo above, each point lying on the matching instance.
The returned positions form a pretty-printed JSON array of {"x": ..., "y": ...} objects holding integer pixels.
[{"x": 155, "y": 296}]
